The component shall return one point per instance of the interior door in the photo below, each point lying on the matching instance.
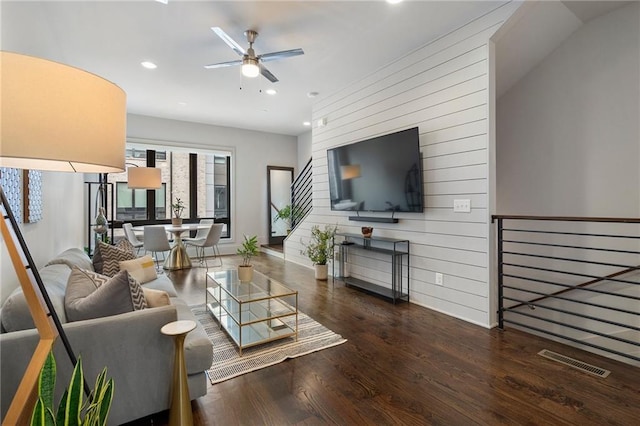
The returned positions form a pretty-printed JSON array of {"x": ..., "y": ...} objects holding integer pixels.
[{"x": 279, "y": 180}]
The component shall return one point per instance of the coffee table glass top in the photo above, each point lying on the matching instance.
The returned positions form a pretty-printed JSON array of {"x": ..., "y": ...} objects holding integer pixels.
[{"x": 260, "y": 287}]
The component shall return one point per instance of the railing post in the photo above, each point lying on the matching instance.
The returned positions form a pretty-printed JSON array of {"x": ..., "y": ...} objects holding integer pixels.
[{"x": 500, "y": 278}]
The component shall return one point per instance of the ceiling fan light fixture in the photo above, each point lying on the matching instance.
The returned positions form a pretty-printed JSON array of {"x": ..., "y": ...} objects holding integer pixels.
[{"x": 250, "y": 67}]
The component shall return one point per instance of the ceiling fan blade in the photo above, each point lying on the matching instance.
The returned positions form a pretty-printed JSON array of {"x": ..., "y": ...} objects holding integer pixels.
[
  {"x": 230, "y": 42},
  {"x": 279, "y": 55},
  {"x": 224, "y": 64},
  {"x": 267, "y": 74}
]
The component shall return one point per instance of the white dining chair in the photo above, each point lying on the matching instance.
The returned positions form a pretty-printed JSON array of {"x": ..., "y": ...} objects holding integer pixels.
[
  {"x": 132, "y": 237},
  {"x": 156, "y": 241},
  {"x": 213, "y": 237},
  {"x": 201, "y": 235}
]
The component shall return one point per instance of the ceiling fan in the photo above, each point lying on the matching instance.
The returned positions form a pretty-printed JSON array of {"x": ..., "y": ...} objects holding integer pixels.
[{"x": 251, "y": 63}]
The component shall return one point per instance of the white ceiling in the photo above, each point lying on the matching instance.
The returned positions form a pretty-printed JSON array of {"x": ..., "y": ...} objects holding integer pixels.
[{"x": 342, "y": 40}]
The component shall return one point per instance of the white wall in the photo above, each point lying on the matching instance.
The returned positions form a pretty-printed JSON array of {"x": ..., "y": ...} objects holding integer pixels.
[
  {"x": 62, "y": 225},
  {"x": 304, "y": 150},
  {"x": 253, "y": 152},
  {"x": 568, "y": 141},
  {"x": 443, "y": 89}
]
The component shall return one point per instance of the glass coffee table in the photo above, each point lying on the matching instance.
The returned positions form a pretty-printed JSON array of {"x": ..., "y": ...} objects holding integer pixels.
[{"x": 253, "y": 312}]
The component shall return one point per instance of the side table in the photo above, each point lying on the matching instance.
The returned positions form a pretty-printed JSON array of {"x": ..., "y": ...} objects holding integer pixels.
[{"x": 180, "y": 414}]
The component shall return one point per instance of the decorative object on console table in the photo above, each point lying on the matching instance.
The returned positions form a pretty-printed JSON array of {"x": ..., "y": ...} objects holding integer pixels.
[
  {"x": 81, "y": 128},
  {"x": 320, "y": 249},
  {"x": 248, "y": 249},
  {"x": 367, "y": 231},
  {"x": 178, "y": 208}
]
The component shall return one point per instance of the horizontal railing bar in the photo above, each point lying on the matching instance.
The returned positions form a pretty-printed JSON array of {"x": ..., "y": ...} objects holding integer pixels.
[
  {"x": 567, "y": 259},
  {"x": 569, "y": 218},
  {"x": 564, "y": 311},
  {"x": 593, "y": 290},
  {"x": 571, "y": 247},
  {"x": 554, "y": 296},
  {"x": 576, "y": 274},
  {"x": 550, "y": 333},
  {"x": 575, "y": 327},
  {"x": 581, "y": 234}
]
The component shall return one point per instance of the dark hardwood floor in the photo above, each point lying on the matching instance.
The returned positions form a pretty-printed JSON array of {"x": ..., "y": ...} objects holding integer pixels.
[{"x": 407, "y": 365}]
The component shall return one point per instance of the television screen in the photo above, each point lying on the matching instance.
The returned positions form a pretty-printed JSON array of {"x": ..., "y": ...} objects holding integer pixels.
[{"x": 382, "y": 174}]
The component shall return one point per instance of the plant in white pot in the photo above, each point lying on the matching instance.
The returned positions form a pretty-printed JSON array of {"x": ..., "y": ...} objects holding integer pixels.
[
  {"x": 177, "y": 207},
  {"x": 320, "y": 249},
  {"x": 248, "y": 249}
]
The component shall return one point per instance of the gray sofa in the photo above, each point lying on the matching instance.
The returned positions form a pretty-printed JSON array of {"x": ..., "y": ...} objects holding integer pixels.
[{"x": 138, "y": 357}]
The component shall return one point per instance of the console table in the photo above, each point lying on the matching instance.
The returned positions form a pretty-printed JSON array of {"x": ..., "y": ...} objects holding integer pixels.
[{"x": 396, "y": 249}]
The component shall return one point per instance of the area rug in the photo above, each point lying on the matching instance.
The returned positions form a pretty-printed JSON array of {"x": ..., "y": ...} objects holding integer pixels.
[{"x": 227, "y": 363}]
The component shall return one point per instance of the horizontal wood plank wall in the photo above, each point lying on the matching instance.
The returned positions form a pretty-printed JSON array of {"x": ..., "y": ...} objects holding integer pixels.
[{"x": 443, "y": 89}]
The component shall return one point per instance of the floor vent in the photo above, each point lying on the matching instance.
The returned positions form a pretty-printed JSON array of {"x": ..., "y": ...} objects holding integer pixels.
[{"x": 582, "y": 366}]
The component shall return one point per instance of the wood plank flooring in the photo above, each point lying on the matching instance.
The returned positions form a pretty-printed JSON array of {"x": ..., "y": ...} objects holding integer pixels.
[{"x": 407, "y": 365}]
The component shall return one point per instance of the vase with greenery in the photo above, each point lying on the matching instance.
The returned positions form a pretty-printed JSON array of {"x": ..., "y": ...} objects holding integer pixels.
[
  {"x": 320, "y": 249},
  {"x": 247, "y": 250},
  {"x": 177, "y": 207},
  {"x": 72, "y": 410},
  {"x": 290, "y": 214}
]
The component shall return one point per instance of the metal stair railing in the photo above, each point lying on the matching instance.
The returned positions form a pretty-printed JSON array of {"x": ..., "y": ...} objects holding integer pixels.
[
  {"x": 574, "y": 278},
  {"x": 302, "y": 195}
]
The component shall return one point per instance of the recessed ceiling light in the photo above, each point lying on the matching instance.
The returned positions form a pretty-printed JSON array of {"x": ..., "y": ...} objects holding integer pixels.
[
  {"x": 149, "y": 65},
  {"x": 306, "y": 123},
  {"x": 394, "y": 1},
  {"x": 271, "y": 91},
  {"x": 182, "y": 104},
  {"x": 312, "y": 94}
]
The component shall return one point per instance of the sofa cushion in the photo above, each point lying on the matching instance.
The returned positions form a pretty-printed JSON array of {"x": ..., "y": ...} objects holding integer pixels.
[
  {"x": 15, "y": 313},
  {"x": 72, "y": 257},
  {"x": 91, "y": 295},
  {"x": 156, "y": 298},
  {"x": 107, "y": 258},
  {"x": 143, "y": 269}
]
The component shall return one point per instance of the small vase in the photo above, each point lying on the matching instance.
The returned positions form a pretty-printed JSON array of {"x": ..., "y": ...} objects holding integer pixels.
[
  {"x": 367, "y": 231},
  {"x": 176, "y": 221},
  {"x": 245, "y": 273},
  {"x": 321, "y": 272},
  {"x": 101, "y": 222}
]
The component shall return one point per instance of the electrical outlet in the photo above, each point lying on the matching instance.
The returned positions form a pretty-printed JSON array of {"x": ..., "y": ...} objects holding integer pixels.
[
  {"x": 462, "y": 206},
  {"x": 439, "y": 278}
]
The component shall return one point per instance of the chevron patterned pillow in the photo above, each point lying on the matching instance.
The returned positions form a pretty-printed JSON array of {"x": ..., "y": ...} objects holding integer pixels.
[
  {"x": 91, "y": 295},
  {"x": 107, "y": 258}
]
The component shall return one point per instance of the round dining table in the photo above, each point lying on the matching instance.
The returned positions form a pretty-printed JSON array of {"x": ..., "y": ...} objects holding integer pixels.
[{"x": 178, "y": 257}]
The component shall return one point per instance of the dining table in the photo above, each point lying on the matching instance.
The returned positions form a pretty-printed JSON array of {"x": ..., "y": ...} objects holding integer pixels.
[{"x": 178, "y": 257}]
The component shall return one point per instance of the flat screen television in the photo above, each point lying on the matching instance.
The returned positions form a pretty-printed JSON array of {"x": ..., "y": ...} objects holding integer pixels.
[{"x": 382, "y": 174}]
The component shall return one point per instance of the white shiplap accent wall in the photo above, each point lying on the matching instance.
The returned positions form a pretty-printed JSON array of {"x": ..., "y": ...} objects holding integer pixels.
[{"x": 443, "y": 89}]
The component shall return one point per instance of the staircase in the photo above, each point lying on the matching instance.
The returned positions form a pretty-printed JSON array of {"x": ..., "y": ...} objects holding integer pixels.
[{"x": 302, "y": 195}]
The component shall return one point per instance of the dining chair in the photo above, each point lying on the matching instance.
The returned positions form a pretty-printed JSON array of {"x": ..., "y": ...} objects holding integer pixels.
[
  {"x": 213, "y": 237},
  {"x": 156, "y": 241},
  {"x": 202, "y": 232},
  {"x": 132, "y": 237}
]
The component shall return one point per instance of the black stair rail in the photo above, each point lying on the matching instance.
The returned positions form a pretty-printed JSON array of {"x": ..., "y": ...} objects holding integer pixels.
[
  {"x": 551, "y": 267},
  {"x": 302, "y": 194}
]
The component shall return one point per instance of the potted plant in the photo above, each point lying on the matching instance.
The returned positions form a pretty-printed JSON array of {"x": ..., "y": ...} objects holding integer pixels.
[
  {"x": 289, "y": 214},
  {"x": 177, "y": 207},
  {"x": 248, "y": 249},
  {"x": 72, "y": 409},
  {"x": 320, "y": 249}
]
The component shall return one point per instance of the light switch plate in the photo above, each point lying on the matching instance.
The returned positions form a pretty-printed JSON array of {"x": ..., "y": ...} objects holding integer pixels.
[
  {"x": 439, "y": 278},
  {"x": 462, "y": 206}
]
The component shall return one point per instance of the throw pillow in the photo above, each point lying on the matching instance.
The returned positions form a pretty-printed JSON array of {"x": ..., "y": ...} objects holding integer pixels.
[
  {"x": 156, "y": 298},
  {"x": 142, "y": 269},
  {"x": 107, "y": 258},
  {"x": 91, "y": 295}
]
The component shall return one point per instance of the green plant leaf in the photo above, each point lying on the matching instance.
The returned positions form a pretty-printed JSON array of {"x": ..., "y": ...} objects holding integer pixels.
[
  {"x": 38, "y": 415},
  {"x": 105, "y": 402},
  {"x": 60, "y": 415},
  {"x": 47, "y": 381},
  {"x": 74, "y": 399}
]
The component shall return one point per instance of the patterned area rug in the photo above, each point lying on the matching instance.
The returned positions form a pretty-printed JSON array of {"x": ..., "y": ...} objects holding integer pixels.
[{"x": 312, "y": 337}]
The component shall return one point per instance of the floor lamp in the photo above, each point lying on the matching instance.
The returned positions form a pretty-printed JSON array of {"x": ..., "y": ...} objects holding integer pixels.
[{"x": 57, "y": 118}]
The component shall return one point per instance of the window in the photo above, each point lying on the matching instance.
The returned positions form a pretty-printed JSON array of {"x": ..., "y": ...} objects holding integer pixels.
[{"x": 200, "y": 179}]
